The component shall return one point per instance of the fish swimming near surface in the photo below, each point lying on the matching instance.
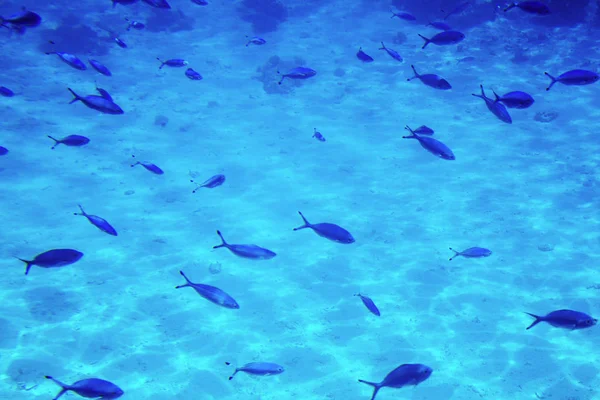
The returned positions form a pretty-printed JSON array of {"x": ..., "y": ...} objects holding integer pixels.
[
  {"x": 566, "y": 319},
  {"x": 54, "y": 258},
  {"x": 531, "y": 7},
  {"x": 250, "y": 251},
  {"x": 327, "y": 230},
  {"x": 71, "y": 141},
  {"x": 90, "y": 388},
  {"x": 432, "y": 145},
  {"x": 431, "y": 80},
  {"x": 98, "y": 222},
  {"x": 495, "y": 107},
  {"x": 444, "y": 38},
  {"x": 155, "y": 169},
  {"x": 210, "y": 293},
  {"x": 516, "y": 99},
  {"x": 259, "y": 368},
  {"x": 575, "y": 77},
  {"x": 210, "y": 183},
  {"x": 369, "y": 304},
  {"x": 98, "y": 103},
  {"x": 364, "y": 57},
  {"x": 472, "y": 252},
  {"x": 404, "y": 375},
  {"x": 298, "y": 73},
  {"x": 392, "y": 53}
]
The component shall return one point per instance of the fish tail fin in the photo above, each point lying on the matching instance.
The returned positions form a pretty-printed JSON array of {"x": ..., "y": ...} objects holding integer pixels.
[
  {"x": 223, "y": 242},
  {"x": 416, "y": 73},
  {"x": 162, "y": 64},
  {"x": 76, "y": 97},
  {"x": 376, "y": 387},
  {"x": 57, "y": 142},
  {"x": 554, "y": 80},
  {"x": 456, "y": 254},
  {"x": 188, "y": 283},
  {"x": 306, "y": 223},
  {"x": 235, "y": 372},
  {"x": 81, "y": 209},
  {"x": 282, "y": 77},
  {"x": 28, "y": 264},
  {"x": 382, "y": 46},
  {"x": 412, "y": 133},
  {"x": 64, "y": 387},
  {"x": 538, "y": 319},
  {"x": 427, "y": 41}
]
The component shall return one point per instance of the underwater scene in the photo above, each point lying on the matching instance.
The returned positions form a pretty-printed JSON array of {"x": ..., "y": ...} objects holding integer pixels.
[{"x": 299, "y": 199}]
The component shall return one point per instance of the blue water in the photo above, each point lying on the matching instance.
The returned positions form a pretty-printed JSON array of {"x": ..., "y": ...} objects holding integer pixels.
[{"x": 528, "y": 191}]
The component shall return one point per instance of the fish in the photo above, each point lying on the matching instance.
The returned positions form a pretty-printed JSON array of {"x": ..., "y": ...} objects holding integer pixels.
[
  {"x": 155, "y": 169},
  {"x": 531, "y": 7},
  {"x": 251, "y": 251},
  {"x": 495, "y": 107},
  {"x": 424, "y": 130},
  {"x": 403, "y": 15},
  {"x": 200, "y": 2},
  {"x": 173, "y": 62},
  {"x": 472, "y": 252},
  {"x": 98, "y": 103},
  {"x": 134, "y": 24},
  {"x": 566, "y": 319},
  {"x": 575, "y": 77},
  {"x": 404, "y": 375},
  {"x": 441, "y": 25},
  {"x": 319, "y": 136},
  {"x": 327, "y": 230},
  {"x": 3, "y": 151},
  {"x": 210, "y": 183},
  {"x": 392, "y": 53},
  {"x": 6, "y": 92},
  {"x": 24, "y": 19},
  {"x": 54, "y": 258},
  {"x": 364, "y": 57},
  {"x": 70, "y": 59},
  {"x": 210, "y": 293},
  {"x": 100, "y": 67},
  {"x": 71, "y": 141},
  {"x": 256, "y": 40},
  {"x": 458, "y": 9},
  {"x": 90, "y": 388},
  {"x": 98, "y": 222},
  {"x": 259, "y": 368},
  {"x": 158, "y": 3},
  {"x": 516, "y": 99},
  {"x": 431, "y": 80},
  {"x": 123, "y": 2},
  {"x": 444, "y": 38},
  {"x": 120, "y": 42},
  {"x": 193, "y": 75},
  {"x": 298, "y": 73},
  {"x": 432, "y": 145},
  {"x": 369, "y": 304}
]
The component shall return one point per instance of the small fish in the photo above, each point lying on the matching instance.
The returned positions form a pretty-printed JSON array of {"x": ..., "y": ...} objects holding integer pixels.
[
  {"x": 70, "y": 59},
  {"x": 98, "y": 103},
  {"x": 210, "y": 293},
  {"x": 134, "y": 24},
  {"x": 424, "y": 130},
  {"x": 200, "y": 2},
  {"x": 403, "y": 15},
  {"x": 98, "y": 222},
  {"x": 458, "y": 9},
  {"x": 431, "y": 80},
  {"x": 531, "y": 7},
  {"x": 393, "y": 53},
  {"x": 3, "y": 151},
  {"x": 24, "y": 19},
  {"x": 566, "y": 319},
  {"x": 256, "y": 40},
  {"x": 298, "y": 73},
  {"x": 174, "y": 62},
  {"x": 259, "y": 368},
  {"x": 210, "y": 183},
  {"x": 495, "y": 107},
  {"x": 515, "y": 99},
  {"x": 251, "y": 251},
  {"x": 442, "y": 26},
  {"x": 432, "y": 145},
  {"x": 120, "y": 43},
  {"x": 55, "y": 258},
  {"x": 71, "y": 141},
  {"x": 472, "y": 252},
  {"x": 328, "y": 231},
  {"x": 364, "y": 57},
  {"x": 575, "y": 77},
  {"x": 90, "y": 388},
  {"x": 100, "y": 67},
  {"x": 193, "y": 75},
  {"x": 318, "y": 136},
  {"x": 404, "y": 375},
  {"x": 6, "y": 92},
  {"x": 369, "y": 304},
  {"x": 158, "y": 3},
  {"x": 149, "y": 166},
  {"x": 444, "y": 38}
]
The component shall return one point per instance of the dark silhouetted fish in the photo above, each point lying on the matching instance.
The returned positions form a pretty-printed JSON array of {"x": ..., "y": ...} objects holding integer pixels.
[
  {"x": 472, "y": 252},
  {"x": 531, "y": 7},
  {"x": 200, "y": 2},
  {"x": 404, "y": 375},
  {"x": 135, "y": 25},
  {"x": 100, "y": 67},
  {"x": 403, "y": 15},
  {"x": 55, "y": 258},
  {"x": 566, "y": 319},
  {"x": 393, "y": 53},
  {"x": 259, "y": 368},
  {"x": 444, "y": 38},
  {"x": 256, "y": 40},
  {"x": 71, "y": 140},
  {"x": 120, "y": 42},
  {"x": 193, "y": 75},
  {"x": 24, "y": 19},
  {"x": 432, "y": 145},
  {"x": 98, "y": 103},
  {"x": 431, "y": 80},
  {"x": 364, "y": 57},
  {"x": 210, "y": 183},
  {"x": 515, "y": 99},
  {"x": 98, "y": 222},
  {"x": 6, "y": 92},
  {"x": 92, "y": 388},
  {"x": 442, "y": 26},
  {"x": 70, "y": 59},
  {"x": 298, "y": 73},
  {"x": 158, "y": 3},
  {"x": 369, "y": 304},
  {"x": 251, "y": 251},
  {"x": 3, "y": 151},
  {"x": 495, "y": 107},
  {"x": 575, "y": 77},
  {"x": 210, "y": 293},
  {"x": 328, "y": 231},
  {"x": 458, "y": 9},
  {"x": 424, "y": 130},
  {"x": 173, "y": 62},
  {"x": 155, "y": 169},
  {"x": 318, "y": 135}
]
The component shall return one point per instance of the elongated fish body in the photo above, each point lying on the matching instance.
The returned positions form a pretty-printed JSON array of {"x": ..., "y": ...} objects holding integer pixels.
[
  {"x": 155, "y": 169},
  {"x": 531, "y": 7},
  {"x": 71, "y": 141},
  {"x": 98, "y": 103},
  {"x": 444, "y": 38},
  {"x": 495, "y": 107},
  {"x": 404, "y": 375},
  {"x": 472, "y": 252},
  {"x": 250, "y": 251},
  {"x": 210, "y": 293},
  {"x": 298, "y": 73},
  {"x": 565, "y": 319},
  {"x": 54, "y": 258},
  {"x": 259, "y": 368},
  {"x": 364, "y": 57},
  {"x": 431, "y": 80},
  {"x": 24, "y": 19},
  {"x": 193, "y": 75},
  {"x": 403, "y": 15},
  {"x": 92, "y": 388},
  {"x": 392, "y": 53},
  {"x": 327, "y": 230},
  {"x": 369, "y": 304},
  {"x": 256, "y": 40},
  {"x": 432, "y": 145},
  {"x": 101, "y": 68},
  {"x": 211, "y": 183},
  {"x": 70, "y": 59},
  {"x": 516, "y": 99},
  {"x": 98, "y": 222},
  {"x": 173, "y": 62},
  {"x": 575, "y": 77}
]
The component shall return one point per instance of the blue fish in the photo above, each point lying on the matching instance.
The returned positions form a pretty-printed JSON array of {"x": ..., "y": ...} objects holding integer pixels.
[
  {"x": 403, "y": 15},
  {"x": 70, "y": 59},
  {"x": 259, "y": 368},
  {"x": 200, "y": 2},
  {"x": 173, "y": 62},
  {"x": 516, "y": 99},
  {"x": 3, "y": 151},
  {"x": 123, "y": 2},
  {"x": 442, "y": 26},
  {"x": 54, "y": 258},
  {"x": 158, "y": 3},
  {"x": 210, "y": 183},
  {"x": 444, "y": 38},
  {"x": 364, "y": 57},
  {"x": 210, "y": 293},
  {"x": 432, "y": 145},
  {"x": 149, "y": 166},
  {"x": 251, "y": 251},
  {"x": 319, "y": 136},
  {"x": 98, "y": 222},
  {"x": 120, "y": 43},
  {"x": 134, "y": 24},
  {"x": 392, "y": 53},
  {"x": 71, "y": 140},
  {"x": 328, "y": 231},
  {"x": 369, "y": 304},
  {"x": 424, "y": 130},
  {"x": 458, "y": 9},
  {"x": 472, "y": 252},
  {"x": 256, "y": 40},
  {"x": 6, "y": 92},
  {"x": 575, "y": 77},
  {"x": 100, "y": 67},
  {"x": 91, "y": 388},
  {"x": 98, "y": 103},
  {"x": 566, "y": 319},
  {"x": 298, "y": 73},
  {"x": 495, "y": 107},
  {"x": 193, "y": 75},
  {"x": 24, "y": 19},
  {"x": 431, "y": 80},
  {"x": 531, "y": 7},
  {"x": 404, "y": 375}
]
